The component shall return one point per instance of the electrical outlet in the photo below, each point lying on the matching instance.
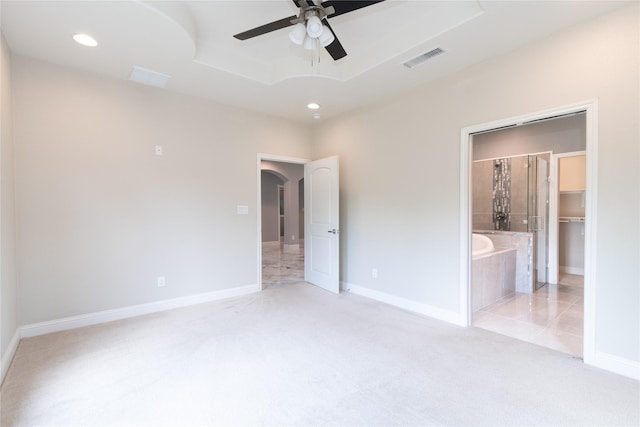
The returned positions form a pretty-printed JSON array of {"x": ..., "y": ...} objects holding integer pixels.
[
  {"x": 158, "y": 150},
  {"x": 160, "y": 281},
  {"x": 374, "y": 273}
]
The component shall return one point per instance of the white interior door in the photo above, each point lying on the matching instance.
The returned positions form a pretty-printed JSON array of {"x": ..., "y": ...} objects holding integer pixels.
[{"x": 322, "y": 226}]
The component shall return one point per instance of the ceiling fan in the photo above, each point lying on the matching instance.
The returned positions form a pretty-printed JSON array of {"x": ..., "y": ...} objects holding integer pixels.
[{"x": 311, "y": 26}]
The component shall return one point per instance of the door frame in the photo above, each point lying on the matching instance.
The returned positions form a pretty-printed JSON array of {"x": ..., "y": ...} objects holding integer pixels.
[
  {"x": 273, "y": 158},
  {"x": 554, "y": 206},
  {"x": 590, "y": 107}
]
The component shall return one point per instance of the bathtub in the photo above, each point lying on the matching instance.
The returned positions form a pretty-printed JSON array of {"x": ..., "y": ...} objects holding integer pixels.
[
  {"x": 493, "y": 272},
  {"x": 480, "y": 245}
]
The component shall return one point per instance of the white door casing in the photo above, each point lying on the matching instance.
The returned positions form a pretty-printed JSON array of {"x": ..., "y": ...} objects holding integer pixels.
[
  {"x": 590, "y": 107},
  {"x": 322, "y": 225},
  {"x": 542, "y": 203}
]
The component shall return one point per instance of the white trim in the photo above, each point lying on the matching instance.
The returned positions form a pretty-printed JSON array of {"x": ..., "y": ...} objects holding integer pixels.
[
  {"x": 590, "y": 234},
  {"x": 272, "y": 158},
  {"x": 619, "y": 365},
  {"x": 591, "y": 108},
  {"x": 466, "y": 161},
  {"x": 8, "y": 355},
  {"x": 554, "y": 247},
  {"x": 406, "y": 304},
  {"x": 130, "y": 311}
]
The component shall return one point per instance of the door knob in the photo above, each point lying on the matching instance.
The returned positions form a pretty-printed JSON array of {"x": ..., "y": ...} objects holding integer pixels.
[{"x": 334, "y": 231}]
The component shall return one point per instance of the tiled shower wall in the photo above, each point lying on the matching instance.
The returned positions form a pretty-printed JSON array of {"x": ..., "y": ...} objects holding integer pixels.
[
  {"x": 502, "y": 194},
  {"x": 500, "y": 186},
  {"x": 482, "y": 195}
]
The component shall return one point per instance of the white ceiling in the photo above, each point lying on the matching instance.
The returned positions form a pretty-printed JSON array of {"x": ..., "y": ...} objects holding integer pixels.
[{"x": 193, "y": 42}]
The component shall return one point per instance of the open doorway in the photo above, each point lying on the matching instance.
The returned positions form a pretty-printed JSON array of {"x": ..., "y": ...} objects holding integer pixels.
[
  {"x": 318, "y": 217},
  {"x": 551, "y": 313},
  {"x": 282, "y": 238}
]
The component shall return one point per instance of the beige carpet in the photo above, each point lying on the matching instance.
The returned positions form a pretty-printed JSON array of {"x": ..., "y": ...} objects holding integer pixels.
[{"x": 296, "y": 355}]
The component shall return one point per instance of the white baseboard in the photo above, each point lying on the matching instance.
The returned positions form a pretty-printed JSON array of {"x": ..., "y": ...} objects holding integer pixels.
[
  {"x": 406, "y": 304},
  {"x": 571, "y": 270},
  {"x": 616, "y": 364},
  {"x": 7, "y": 357},
  {"x": 131, "y": 311}
]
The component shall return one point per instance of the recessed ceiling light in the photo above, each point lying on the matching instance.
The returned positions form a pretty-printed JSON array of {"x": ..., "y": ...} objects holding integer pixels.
[
  {"x": 85, "y": 40},
  {"x": 313, "y": 106}
]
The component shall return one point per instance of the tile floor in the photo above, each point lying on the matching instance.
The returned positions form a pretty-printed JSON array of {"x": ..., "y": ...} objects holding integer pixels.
[
  {"x": 282, "y": 266},
  {"x": 551, "y": 317}
]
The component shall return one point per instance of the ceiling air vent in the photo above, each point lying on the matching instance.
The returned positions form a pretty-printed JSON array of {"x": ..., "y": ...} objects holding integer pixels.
[
  {"x": 148, "y": 77},
  {"x": 421, "y": 58}
]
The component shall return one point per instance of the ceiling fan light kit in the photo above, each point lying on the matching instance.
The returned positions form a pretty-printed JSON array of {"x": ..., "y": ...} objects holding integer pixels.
[
  {"x": 311, "y": 26},
  {"x": 298, "y": 34},
  {"x": 327, "y": 37},
  {"x": 309, "y": 43},
  {"x": 314, "y": 27}
]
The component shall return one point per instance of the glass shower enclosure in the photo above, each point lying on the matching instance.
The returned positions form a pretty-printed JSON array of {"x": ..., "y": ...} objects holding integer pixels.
[
  {"x": 538, "y": 212},
  {"x": 512, "y": 194}
]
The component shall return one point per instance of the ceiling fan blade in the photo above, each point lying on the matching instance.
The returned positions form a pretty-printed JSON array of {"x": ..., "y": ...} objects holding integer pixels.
[
  {"x": 303, "y": 3},
  {"x": 346, "y": 6},
  {"x": 335, "y": 49},
  {"x": 267, "y": 28}
]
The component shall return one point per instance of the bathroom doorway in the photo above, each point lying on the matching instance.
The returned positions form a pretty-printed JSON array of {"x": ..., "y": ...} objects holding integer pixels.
[{"x": 551, "y": 315}]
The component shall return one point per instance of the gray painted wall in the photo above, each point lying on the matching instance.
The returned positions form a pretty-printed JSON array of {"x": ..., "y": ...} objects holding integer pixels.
[
  {"x": 415, "y": 138},
  {"x": 291, "y": 175},
  {"x": 100, "y": 216},
  {"x": 561, "y": 135},
  {"x": 270, "y": 209}
]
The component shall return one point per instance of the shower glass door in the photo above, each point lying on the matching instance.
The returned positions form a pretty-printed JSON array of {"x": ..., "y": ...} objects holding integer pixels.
[{"x": 538, "y": 212}]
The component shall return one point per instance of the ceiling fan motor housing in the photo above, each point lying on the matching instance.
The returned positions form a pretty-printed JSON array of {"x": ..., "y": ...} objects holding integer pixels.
[{"x": 312, "y": 23}]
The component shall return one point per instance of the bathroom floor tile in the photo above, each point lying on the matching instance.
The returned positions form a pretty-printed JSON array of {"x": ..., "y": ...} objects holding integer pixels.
[
  {"x": 527, "y": 308},
  {"x": 511, "y": 327},
  {"x": 559, "y": 293},
  {"x": 571, "y": 321},
  {"x": 560, "y": 341},
  {"x": 551, "y": 317},
  {"x": 571, "y": 280}
]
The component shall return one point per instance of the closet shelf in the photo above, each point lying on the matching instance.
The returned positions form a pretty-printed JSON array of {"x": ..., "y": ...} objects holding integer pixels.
[{"x": 571, "y": 219}]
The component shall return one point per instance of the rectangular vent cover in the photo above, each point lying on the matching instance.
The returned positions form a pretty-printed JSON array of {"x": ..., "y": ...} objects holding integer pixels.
[
  {"x": 148, "y": 77},
  {"x": 421, "y": 58}
]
